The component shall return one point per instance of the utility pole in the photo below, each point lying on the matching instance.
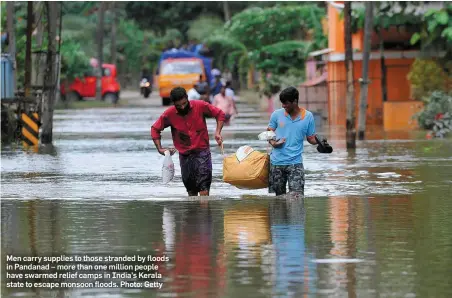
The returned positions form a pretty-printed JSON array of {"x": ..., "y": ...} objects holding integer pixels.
[
  {"x": 10, "y": 16},
  {"x": 350, "y": 123},
  {"x": 38, "y": 65},
  {"x": 51, "y": 74},
  {"x": 368, "y": 29},
  {"x": 27, "y": 78},
  {"x": 100, "y": 48}
]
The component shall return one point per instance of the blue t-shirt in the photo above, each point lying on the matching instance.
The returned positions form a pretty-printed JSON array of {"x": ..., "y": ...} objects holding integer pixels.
[
  {"x": 295, "y": 131},
  {"x": 215, "y": 87}
]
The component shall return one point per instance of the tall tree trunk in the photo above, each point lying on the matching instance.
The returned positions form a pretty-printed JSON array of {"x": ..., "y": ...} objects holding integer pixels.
[
  {"x": 113, "y": 32},
  {"x": 100, "y": 47},
  {"x": 10, "y": 16},
  {"x": 27, "y": 77},
  {"x": 368, "y": 28},
  {"x": 227, "y": 13},
  {"x": 384, "y": 88},
  {"x": 350, "y": 124},
  {"x": 51, "y": 73}
]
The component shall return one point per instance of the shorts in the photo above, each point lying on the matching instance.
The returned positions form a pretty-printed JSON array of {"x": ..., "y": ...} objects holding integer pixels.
[
  {"x": 280, "y": 175},
  {"x": 196, "y": 171}
]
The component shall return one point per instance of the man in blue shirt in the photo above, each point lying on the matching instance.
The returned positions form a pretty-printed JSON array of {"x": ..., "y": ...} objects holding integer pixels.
[
  {"x": 291, "y": 125},
  {"x": 215, "y": 84}
]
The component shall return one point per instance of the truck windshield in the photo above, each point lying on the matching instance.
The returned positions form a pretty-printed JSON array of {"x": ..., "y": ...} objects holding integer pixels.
[{"x": 181, "y": 67}]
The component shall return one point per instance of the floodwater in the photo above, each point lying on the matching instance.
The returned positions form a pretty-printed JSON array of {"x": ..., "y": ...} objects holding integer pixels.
[{"x": 374, "y": 222}]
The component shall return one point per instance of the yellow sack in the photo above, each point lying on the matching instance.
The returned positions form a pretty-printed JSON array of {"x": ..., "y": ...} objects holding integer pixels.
[{"x": 249, "y": 173}]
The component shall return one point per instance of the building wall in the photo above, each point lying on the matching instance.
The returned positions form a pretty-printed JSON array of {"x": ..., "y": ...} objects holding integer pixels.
[
  {"x": 336, "y": 36},
  {"x": 397, "y": 85},
  {"x": 335, "y": 30}
]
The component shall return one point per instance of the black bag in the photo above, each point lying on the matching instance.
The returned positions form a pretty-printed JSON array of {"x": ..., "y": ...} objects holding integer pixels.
[{"x": 323, "y": 146}]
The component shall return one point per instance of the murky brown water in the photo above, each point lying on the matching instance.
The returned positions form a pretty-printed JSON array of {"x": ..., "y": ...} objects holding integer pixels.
[{"x": 374, "y": 223}]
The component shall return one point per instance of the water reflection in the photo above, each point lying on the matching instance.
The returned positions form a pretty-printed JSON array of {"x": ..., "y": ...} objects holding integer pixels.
[
  {"x": 331, "y": 246},
  {"x": 293, "y": 271},
  {"x": 196, "y": 265}
]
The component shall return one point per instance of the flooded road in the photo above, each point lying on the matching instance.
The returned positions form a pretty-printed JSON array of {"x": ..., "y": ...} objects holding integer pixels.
[{"x": 374, "y": 223}]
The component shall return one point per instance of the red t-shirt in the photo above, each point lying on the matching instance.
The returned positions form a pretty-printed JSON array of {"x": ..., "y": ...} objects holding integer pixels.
[{"x": 190, "y": 131}]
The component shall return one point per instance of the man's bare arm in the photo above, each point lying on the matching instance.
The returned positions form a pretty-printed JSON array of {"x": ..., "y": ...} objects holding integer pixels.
[
  {"x": 311, "y": 140},
  {"x": 220, "y": 124}
]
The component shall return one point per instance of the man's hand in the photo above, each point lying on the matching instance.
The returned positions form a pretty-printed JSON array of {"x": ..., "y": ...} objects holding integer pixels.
[
  {"x": 219, "y": 139},
  {"x": 323, "y": 146},
  {"x": 278, "y": 143},
  {"x": 171, "y": 150}
]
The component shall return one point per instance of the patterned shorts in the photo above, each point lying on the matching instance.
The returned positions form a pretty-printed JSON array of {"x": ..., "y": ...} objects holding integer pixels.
[
  {"x": 196, "y": 171},
  {"x": 280, "y": 175}
]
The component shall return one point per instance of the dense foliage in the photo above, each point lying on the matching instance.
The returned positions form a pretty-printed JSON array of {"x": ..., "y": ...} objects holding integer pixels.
[
  {"x": 258, "y": 27},
  {"x": 432, "y": 28},
  {"x": 204, "y": 26},
  {"x": 436, "y": 34},
  {"x": 390, "y": 13},
  {"x": 163, "y": 15},
  {"x": 425, "y": 77},
  {"x": 274, "y": 40},
  {"x": 269, "y": 37},
  {"x": 437, "y": 113}
]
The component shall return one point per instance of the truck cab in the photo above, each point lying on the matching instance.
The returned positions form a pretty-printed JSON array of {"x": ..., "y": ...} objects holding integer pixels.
[
  {"x": 85, "y": 87},
  {"x": 179, "y": 68}
]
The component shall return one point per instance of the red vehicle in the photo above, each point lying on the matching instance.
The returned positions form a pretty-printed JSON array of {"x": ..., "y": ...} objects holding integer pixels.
[{"x": 82, "y": 88}]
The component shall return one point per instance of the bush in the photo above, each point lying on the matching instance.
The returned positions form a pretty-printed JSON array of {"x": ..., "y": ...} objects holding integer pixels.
[
  {"x": 437, "y": 106},
  {"x": 442, "y": 125},
  {"x": 425, "y": 77}
]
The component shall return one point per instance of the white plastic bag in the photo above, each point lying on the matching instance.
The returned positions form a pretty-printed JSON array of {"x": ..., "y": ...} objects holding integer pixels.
[
  {"x": 243, "y": 152},
  {"x": 168, "y": 168},
  {"x": 267, "y": 135}
]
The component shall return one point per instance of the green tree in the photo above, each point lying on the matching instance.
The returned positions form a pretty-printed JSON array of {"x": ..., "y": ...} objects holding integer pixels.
[
  {"x": 204, "y": 26},
  {"x": 435, "y": 34},
  {"x": 274, "y": 39}
]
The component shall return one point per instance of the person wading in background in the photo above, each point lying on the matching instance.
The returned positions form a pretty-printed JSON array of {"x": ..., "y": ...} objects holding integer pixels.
[
  {"x": 225, "y": 103},
  {"x": 187, "y": 120}
]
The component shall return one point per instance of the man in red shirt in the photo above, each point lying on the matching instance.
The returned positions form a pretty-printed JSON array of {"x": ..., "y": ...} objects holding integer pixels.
[{"x": 187, "y": 120}]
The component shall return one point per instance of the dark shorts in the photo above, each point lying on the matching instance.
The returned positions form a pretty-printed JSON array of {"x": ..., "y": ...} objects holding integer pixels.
[
  {"x": 280, "y": 175},
  {"x": 196, "y": 171}
]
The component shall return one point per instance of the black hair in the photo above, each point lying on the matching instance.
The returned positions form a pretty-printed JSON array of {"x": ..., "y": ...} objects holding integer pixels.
[
  {"x": 177, "y": 94},
  {"x": 290, "y": 94}
]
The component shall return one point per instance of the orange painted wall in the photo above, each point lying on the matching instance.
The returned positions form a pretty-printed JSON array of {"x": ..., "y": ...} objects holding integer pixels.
[
  {"x": 397, "y": 84},
  {"x": 336, "y": 36},
  {"x": 335, "y": 31},
  {"x": 397, "y": 70},
  {"x": 398, "y": 115}
]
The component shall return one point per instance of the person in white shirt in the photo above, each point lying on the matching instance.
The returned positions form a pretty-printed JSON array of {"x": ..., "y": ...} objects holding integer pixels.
[
  {"x": 229, "y": 92},
  {"x": 193, "y": 94},
  {"x": 227, "y": 75}
]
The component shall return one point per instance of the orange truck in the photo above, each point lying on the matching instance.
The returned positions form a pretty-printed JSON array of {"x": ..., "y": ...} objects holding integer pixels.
[{"x": 180, "y": 68}]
